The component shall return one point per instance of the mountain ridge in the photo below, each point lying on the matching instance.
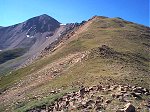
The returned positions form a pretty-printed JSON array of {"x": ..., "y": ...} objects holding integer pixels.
[
  {"x": 33, "y": 35},
  {"x": 102, "y": 51}
]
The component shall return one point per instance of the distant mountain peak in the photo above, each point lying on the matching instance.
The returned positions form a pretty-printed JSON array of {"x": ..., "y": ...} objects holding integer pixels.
[
  {"x": 42, "y": 23},
  {"x": 45, "y": 15},
  {"x": 20, "y": 34}
]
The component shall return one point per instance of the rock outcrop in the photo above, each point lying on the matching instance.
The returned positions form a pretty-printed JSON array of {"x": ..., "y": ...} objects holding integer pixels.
[{"x": 97, "y": 98}]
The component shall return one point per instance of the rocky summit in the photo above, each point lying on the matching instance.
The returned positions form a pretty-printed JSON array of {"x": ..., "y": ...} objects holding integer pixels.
[{"x": 97, "y": 65}]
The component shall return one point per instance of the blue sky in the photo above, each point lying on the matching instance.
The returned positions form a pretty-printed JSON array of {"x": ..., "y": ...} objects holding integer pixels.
[{"x": 67, "y": 11}]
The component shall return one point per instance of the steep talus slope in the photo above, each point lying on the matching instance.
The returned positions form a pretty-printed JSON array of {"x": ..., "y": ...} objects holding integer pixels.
[
  {"x": 20, "y": 34},
  {"x": 62, "y": 34},
  {"x": 106, "y": 51},
  {"x": 28, "y": 36}
]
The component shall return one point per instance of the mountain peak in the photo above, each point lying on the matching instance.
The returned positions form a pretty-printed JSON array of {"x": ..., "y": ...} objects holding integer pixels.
[
  {"x": 41, "y": 23},
  {"x": 45, "y": 15}
]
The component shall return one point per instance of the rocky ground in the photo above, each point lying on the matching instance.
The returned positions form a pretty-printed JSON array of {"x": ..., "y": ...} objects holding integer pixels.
[
  {"x": 99, "y": 98},
  {"x": 110, "y": 51},
  {"x": 42, "y": 76}
]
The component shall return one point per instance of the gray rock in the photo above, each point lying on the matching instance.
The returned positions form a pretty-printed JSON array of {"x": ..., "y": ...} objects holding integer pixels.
[
  {"x": 129, "y": 108},
  {"x": 82, "y": 91},
  {"x": 90, "y": 101},
  {"x": 120, "y": 110},
  {"x": 99, "y": 87},
  {"x": 108, "y": 101},
  {"x": 136, "y": 95},
  {"x": 98, "y": 108}
]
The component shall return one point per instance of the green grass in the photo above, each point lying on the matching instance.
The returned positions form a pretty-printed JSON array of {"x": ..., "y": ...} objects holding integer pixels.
[
  {"x": 93, "y": 71},
  {"x": 44, "y": 101},
  {"x": 108, "y": 37},
  {"x": 131, "y": 67}
]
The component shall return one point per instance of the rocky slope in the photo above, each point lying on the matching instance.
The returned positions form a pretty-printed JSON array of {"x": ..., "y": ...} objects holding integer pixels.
[
  {"x": 110, "y": 53},
  {"x": 23, "y": 34},
  {"x": 28, "y": 36},
  {"x": 100, "y": 98},
  {"x": 32, "y": 36}
]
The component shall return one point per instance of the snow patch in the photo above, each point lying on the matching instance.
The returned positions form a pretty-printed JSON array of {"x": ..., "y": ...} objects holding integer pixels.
[
  {"x": 0, "y": 50},
  {"x": 46, "y": 37},
  {"x": 28, "y": 36},
  {"x": 62, "y": 24}
]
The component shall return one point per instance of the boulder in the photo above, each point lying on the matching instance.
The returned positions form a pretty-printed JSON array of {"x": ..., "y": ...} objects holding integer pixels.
[
  {"x": 129, "y": 108},
  {"x": 99, "y": 87},
  {"x": 82, "y": 91},
  {"x": 122, "y": 99},
  {"x": 98, "y": 108},
  {"x": 120, "y": 110},
  {"x": 108, "y": 101},
  {"x": 136, "y": 95},
  {"x": 90, "y": 101}
]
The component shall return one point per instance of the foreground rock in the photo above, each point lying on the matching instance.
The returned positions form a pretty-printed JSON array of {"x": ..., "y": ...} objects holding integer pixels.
[
  {"x": 128, "y": 108},
  {"x": 100, "y": 98}
]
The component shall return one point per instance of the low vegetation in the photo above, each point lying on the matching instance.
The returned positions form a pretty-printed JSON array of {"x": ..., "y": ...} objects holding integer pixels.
[{"x": 118, "y": 54}]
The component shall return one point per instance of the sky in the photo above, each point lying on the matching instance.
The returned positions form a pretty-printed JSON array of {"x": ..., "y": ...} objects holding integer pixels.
[{"x": 70, "y": 11}]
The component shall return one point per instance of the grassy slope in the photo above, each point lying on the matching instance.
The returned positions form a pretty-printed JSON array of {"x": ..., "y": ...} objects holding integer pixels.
[{"x": 92, "y": 70}]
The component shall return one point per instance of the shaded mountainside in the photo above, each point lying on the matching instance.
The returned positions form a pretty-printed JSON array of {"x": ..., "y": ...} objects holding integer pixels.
[{"x": 102, "y": 51}]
